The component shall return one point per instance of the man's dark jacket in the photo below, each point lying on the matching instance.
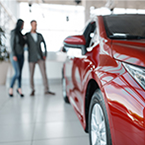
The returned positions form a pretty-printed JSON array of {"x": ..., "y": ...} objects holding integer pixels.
[{"x": 34, "y": 48}]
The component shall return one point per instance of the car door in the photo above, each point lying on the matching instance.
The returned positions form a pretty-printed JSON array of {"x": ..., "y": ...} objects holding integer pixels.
[
  {"x": 79, "y": 67},
  {"x": 70, "y": 74}
]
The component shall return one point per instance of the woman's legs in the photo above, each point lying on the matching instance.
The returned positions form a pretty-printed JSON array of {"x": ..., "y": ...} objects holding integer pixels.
[
  {"x": 20, "y": 63},
  {"x": 17, "y": 73}
]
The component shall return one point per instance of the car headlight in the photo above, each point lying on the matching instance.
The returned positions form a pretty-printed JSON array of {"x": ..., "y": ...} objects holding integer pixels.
[{"x": 137, "y": 73}]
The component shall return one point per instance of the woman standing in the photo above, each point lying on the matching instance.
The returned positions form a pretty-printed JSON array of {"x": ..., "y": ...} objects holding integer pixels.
[{"x": 17, "y": 56}]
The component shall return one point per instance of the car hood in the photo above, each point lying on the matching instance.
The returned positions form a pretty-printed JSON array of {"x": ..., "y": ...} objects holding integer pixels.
[{"x": 132, "y": 52}]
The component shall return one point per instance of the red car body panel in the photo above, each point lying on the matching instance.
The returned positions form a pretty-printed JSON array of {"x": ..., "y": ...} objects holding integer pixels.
[
  {"x": 124, "y": 97},
  {"x": 130, "y": 51}
]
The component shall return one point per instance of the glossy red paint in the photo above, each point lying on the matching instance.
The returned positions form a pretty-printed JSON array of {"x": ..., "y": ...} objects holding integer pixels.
[
  {"x": 124, "y": 97},
  {"x": 77, "y": 40},
  {"x": 130, "y": 51}
]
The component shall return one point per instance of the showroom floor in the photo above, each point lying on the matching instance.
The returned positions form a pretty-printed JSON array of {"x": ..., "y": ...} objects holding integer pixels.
[{"x": 39, "y": 120}]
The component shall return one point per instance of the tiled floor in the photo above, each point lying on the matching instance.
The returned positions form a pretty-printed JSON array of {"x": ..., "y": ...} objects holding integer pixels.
[{"x": 39, "y": 120}]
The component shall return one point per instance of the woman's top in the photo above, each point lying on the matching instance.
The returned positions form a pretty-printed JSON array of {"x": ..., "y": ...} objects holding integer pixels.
[{"x": 17, "y": 43}]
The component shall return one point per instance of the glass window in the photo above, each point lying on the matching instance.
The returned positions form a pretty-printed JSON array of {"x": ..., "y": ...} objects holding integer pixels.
[
  {"x": 87, "y": 33},
  {"x": 126, "y": 26},
  {"x": 94, "y": 37}
]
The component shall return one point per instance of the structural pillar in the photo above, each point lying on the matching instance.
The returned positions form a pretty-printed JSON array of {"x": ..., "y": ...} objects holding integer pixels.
[{"x": 89, "y": 3}]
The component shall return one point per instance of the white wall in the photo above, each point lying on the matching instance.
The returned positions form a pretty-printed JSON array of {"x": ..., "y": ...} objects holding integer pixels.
[
  {"x": 13, "y": 6},
  {"x": 51, "y": 20}
]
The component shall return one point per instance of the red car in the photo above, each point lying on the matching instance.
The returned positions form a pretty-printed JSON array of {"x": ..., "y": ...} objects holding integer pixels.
[{"x": 104, "y": 79}]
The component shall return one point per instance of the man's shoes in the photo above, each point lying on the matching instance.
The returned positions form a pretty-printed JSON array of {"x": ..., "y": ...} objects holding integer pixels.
[
  {"x": 32, "y": 93},
  {"x": 49, "y": 93}
]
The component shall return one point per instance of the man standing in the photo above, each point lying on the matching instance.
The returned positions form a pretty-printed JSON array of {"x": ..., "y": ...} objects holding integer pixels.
[{"x": 35, "y": 55}]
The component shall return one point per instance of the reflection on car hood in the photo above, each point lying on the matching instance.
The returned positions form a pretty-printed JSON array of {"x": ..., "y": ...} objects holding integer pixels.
[{"x": 132, "y": 52}]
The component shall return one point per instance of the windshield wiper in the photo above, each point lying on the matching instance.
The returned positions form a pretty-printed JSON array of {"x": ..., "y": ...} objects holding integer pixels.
[{"x": 126, "y": 37}]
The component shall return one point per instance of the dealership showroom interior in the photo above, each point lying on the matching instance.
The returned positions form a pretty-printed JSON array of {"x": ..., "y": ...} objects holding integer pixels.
[{"x": 72, "y": 72}]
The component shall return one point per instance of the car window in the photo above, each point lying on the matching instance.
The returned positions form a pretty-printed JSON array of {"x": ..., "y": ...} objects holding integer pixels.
[
  {"x": 94, "y": 37},
  {"x": 127, "y": 26},
  {"x": 87, "y": 33}
]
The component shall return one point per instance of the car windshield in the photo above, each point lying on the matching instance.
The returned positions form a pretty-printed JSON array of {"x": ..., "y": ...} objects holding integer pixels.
[{"x": 125, "y": 26}]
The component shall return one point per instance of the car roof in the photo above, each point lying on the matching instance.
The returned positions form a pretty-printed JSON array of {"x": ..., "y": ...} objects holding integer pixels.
[
  {"x": 122, "y": 15},
  {"x": 104, "y": 11}
]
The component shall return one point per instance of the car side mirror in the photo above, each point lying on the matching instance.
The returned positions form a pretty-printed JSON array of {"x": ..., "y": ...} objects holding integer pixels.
[{"x": 77, "y": 41}]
